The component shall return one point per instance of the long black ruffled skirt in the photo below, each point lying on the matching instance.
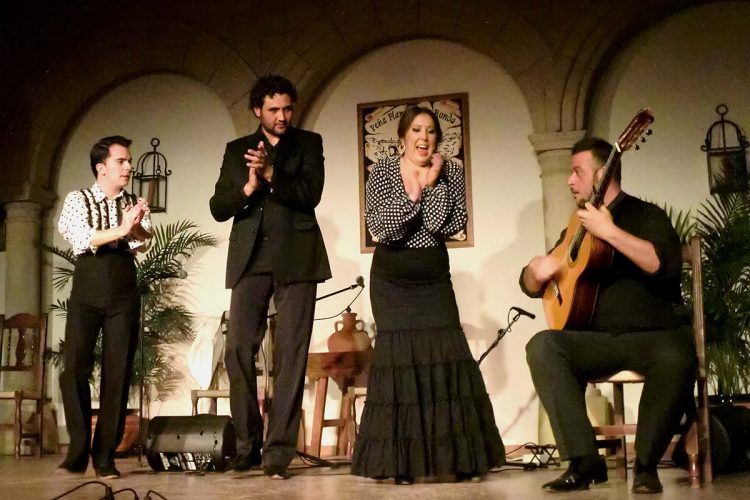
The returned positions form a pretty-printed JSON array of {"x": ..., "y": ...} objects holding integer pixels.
[{"x": 427, "y": 411}]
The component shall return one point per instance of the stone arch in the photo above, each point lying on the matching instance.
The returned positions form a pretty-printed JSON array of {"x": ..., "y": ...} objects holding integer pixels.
[
  {"x": 554, "y": 50},
  {"x": 191, "y": 54}
]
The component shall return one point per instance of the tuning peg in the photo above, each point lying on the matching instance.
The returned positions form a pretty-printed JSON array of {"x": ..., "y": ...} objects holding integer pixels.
[
  {"x": 643, "y": 139},
  {"x": 637, "y": 147},
  {"x": 649, "y": 132}
]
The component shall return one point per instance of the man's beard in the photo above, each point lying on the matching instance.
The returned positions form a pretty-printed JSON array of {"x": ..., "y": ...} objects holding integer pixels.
[{"x": 272, "y": 131}]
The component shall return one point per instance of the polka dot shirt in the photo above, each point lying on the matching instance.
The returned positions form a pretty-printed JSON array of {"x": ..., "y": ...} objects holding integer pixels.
[
  {"x": 392, "y": 217},
  {"x": 88, "y": 210}
]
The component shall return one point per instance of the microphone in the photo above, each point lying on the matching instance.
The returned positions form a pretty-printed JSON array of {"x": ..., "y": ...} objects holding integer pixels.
[
  {"x": 181, "y": 274},
  {"x": 522, "y": 312},
  {"x": 360, "y": 281}
]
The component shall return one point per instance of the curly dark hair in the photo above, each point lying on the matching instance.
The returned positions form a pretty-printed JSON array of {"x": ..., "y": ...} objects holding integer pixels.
[
  {"x": 270, "y": 85},
  {"x": 100, "y": 151}
]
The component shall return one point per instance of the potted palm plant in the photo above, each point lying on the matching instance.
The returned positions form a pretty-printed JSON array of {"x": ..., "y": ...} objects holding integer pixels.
[
  {"x": 723, "y": 222},
  {"x": 165, "y": 321}
]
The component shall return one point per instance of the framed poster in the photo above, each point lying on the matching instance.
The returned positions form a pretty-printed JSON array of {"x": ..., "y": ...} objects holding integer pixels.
[{"x": 377, "y": 134}]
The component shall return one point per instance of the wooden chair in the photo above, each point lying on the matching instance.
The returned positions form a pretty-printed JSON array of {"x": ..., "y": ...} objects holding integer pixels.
[
  {"x": 213, "y": 393},
  {"x": 23, "y": 340},
  {"x": 697, "y": 443}
]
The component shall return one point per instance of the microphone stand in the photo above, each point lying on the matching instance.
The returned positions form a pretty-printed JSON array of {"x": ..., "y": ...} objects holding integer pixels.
[
  {"x": 142, "y": 334},
  {"x": 141, "y": 337},
  {"x": 500, "y": 334},
  {"x": 320, "y": 462},
  {"x": 345, "y": 289}
]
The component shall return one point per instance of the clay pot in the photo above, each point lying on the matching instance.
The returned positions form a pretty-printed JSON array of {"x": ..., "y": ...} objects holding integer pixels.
[
  {"x": 349, "y": 335},
  {"x": 130, "y": 433}
]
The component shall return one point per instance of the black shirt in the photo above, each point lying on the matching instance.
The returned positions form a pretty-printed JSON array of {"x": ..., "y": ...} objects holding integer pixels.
[
  {"x": 260, "y": 260},
  {"x": 629, "y": 299}
]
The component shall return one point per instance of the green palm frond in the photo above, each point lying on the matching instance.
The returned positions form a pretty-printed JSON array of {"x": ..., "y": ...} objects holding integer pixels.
[
  {"x": 66, "y": 254},
  {"x": 61, "y": 275},
  {"x": 682, "y": 222},
  {"x": 60, "y": 308},
  {"x": 723, "y": 222},
  {"x": 171, "y": 245}
]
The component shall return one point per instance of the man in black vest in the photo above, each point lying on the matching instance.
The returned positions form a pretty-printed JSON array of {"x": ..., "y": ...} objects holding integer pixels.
[
  {"x": 270, "y": 183},
  {"x": 105, "y": 226}
]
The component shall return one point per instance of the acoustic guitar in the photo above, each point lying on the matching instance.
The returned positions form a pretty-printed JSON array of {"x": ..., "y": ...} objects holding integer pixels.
[{"x": 569, "y": 299}]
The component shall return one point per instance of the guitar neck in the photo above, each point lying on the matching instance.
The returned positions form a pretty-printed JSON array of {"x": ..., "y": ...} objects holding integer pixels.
[{"x": 613, "y": 163}]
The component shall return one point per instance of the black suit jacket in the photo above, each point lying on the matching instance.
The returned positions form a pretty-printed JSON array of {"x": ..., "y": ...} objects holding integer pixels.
[{"x": 299, "y": 253}]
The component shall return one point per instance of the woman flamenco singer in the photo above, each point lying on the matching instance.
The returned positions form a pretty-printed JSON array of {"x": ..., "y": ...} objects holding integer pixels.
[{"x": 427, "y": 413}]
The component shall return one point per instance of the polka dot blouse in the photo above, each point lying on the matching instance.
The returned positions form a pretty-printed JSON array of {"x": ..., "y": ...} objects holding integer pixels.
[
  {"x": 88, "y": 210},
  {"x": 392, "y": 217}
]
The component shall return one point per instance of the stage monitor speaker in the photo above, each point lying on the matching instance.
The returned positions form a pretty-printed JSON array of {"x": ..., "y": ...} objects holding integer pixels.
[{"x": 197, "y": 443}]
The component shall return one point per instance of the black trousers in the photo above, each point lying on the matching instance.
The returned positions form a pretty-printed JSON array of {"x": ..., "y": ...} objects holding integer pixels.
[
  {"x": 562, "y": 361},
  {"x": 104, "y": 298},
  {"x": 295, "y": 307}
]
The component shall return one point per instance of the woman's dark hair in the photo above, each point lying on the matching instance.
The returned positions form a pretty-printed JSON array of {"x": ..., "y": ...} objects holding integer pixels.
[
  {"x": 100, "y": 151},
  {"x": 410, "y": 113},
  {"x": 269, "y": 86}
]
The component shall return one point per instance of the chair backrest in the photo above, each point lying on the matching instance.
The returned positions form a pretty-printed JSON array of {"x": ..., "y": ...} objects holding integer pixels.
[
  {"x": 23, "y": 340},
  {"x": 692, "y": 254}
]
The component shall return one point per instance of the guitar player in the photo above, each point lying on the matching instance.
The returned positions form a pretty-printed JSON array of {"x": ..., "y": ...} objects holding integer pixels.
[{"x": 634, "y": 326}]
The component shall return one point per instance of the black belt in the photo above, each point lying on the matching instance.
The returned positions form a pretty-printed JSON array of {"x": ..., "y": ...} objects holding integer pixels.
[{"x": 106, "y": 250}]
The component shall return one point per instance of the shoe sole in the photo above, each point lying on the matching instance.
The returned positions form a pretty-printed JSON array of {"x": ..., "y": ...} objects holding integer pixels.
[
  {"x": 109, "y": 477},
  {"x": 646, "y": 491},
  {"x": 62, "y": 471}
]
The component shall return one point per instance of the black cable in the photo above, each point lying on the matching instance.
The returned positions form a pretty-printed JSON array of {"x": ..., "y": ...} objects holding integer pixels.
[
  {"x": 346, "y": 309},
  {"x": 149, "y": 497},
  {"x": 107, "y": 489},
  {"x": 500, "y": 334},
  {"x": 524, "y": 445},
  {"x": 114, "y": 493}
]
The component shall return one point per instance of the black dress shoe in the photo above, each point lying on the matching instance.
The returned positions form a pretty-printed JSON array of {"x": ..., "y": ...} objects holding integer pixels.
[
  {"x": 73, "y": 466},
  {"x": 276, "y": 472},
  {"x": 404, "y": 480},
  {"x": 107, "y": 472},
  {"x": 245, "y": 462},
  {"x": 578, "y": 477},
  {"x": 647, "y": 482}
]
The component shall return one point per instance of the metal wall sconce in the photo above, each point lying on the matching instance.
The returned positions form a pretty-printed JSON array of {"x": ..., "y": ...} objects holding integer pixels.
[
  {"x": 726, "y": 150},
  {"x": 150, "y": 178}
]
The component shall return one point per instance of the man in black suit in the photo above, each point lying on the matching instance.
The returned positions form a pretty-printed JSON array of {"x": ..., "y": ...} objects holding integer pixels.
[{"x": 270, "y": 183}]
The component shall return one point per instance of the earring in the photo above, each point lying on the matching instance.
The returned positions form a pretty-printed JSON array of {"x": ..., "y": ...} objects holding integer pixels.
[{"x": 401, "y": 148}]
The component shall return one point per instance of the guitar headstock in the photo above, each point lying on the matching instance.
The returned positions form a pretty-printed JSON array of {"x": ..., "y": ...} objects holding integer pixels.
[{"x": 638, "y": 126}]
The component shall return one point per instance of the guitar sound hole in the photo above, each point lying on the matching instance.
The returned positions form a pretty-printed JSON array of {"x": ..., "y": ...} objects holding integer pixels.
[{"x": 574, "y": 253}]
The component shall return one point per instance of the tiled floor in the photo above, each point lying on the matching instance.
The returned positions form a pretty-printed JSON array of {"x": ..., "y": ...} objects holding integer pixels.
[{"x": 30, "y": 478}]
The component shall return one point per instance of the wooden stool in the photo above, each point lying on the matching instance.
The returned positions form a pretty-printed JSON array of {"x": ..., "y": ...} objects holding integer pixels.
[
  {"x": 352, "y": 425},
  {"x": 343, "y": 367}
]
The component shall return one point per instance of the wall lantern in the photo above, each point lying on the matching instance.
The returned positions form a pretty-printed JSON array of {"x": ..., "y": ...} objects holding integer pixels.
[
  {"x": 726, "y": 150},
  {"x": 150, "y": 178}
]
